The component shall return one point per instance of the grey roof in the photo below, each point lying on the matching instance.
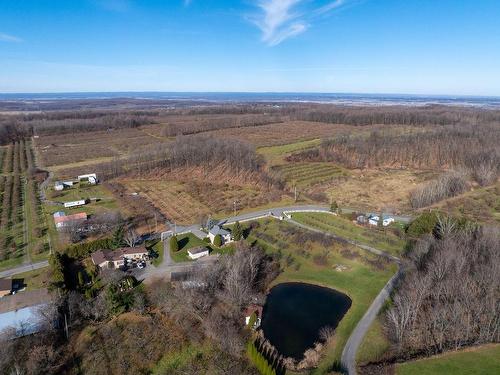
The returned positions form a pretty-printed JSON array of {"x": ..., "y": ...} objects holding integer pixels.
[
  {"x": 215, "y": 230},
  {"x": 198, "y": 250}
]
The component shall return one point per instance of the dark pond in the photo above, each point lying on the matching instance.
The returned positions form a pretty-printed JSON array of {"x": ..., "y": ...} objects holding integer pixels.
[{"x": 294, "y": 313}]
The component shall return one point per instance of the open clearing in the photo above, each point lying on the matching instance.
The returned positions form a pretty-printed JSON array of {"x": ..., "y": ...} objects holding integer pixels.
[
  {"x": 473, "y": 361},
  {"x": 361, "y": 277},
  {"x": 383, "y": 239},
  {"x": 375, "y": 189}
]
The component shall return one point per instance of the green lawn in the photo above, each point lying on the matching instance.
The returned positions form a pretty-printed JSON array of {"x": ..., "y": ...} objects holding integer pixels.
[
  {"x": 383, "y": 240},
  {"x": 474, "y": 361},
  {"x": 157, "y": 247},
  {"x": 374, "y": 344},
  {"x": 361, "y": 280},
  {"x": 36, "y": 279},
  {"x": 188, "y": 241},
  {"x": 275, "y": 154}
]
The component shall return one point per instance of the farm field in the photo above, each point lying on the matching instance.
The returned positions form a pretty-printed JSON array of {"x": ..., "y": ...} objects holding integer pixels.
[
  {"x": 188, "y": 202},
  {"x": 383, "y": 240},
  {"x": 308, "y": 174},
  {"x": 58, "y": 152},
  {"x": 281, "y": 133},
  {"x": 482, "y": 360},
  {"x": 304, "y": 258},
  {"x": 21, "y": 223}
]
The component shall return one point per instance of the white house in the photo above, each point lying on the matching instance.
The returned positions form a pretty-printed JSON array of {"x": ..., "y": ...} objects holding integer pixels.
[
  {"x": 224, "y": 233},
  {"x": 74, "y": 204},
  {"x": 256, "y": 312},
  {"x": 91, "y": 178},
  {"x": 386, "y": 220},
  {"x": 198, "y": 252}
]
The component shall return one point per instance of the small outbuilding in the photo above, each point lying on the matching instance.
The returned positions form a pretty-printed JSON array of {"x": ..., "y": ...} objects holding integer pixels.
[
  {"x": 91, "y": 178},
  {"x": 198, "y": 252},
  {"x": 61, "y": 220},
  {"x": 253, "y": 316},
  {"x": 73, "y": 204}
]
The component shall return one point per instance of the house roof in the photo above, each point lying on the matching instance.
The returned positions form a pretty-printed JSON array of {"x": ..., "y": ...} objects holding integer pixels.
[
  {"x": 216, "y": 229},
  {"x": 198, "y": 250},
  {"x": 253, "y": 309},
  {"x": 75, "y": 217},
  {"x": 106, "y": 255},
  {"x": 5, "y": 284}
]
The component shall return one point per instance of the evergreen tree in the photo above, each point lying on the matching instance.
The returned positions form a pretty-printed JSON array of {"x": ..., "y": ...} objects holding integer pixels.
[
  {"x": 237, "y": 231},
  {"x": 334, "y": 206},
  {"x": 174, "y": 244},
  {"x": 218, "y": 240},
  {"x": 118, "y": 237}
]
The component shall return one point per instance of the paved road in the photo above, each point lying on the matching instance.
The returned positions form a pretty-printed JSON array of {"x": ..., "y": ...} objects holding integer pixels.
[
  {"x": 24, "y": 268},
  {"x": 351, "y": 347}
]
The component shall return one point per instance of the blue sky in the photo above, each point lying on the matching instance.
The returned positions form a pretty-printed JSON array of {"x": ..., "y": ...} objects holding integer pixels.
[{"x": 361, "y": 46}]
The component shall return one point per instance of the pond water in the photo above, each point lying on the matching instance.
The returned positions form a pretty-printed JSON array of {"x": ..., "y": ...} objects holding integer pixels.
[{"x": 294, "y": 314}]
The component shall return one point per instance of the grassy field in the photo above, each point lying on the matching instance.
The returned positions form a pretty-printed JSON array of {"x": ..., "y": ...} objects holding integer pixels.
[
  {"x": 382, "y": 240},
  {"x": 308, "y": 174},
  {"x": 311, "y": 262},
  {"x": 188, "y": 241},
  {"x": 275, "y": 155},
  {"x": 482, "y": 360}
]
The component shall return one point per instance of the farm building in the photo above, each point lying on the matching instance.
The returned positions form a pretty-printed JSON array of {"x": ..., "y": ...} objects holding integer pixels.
[
  {"x": 116, "y": 258},
  {"x": 81, "y": 202},
  {"x": 224, "y": 233},
  {"x": 61, "y": 185},
  {"x": 61, "y": 220},
  {"x": 91, "y": 178},
  {"x": 5, "y": 287},
  {"x": 373, "y": 219},
  {"x": 198, "y": 252}
]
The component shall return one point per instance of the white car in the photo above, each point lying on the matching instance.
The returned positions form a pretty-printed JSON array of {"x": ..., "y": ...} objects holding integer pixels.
[{"x": 141, "y": 265}]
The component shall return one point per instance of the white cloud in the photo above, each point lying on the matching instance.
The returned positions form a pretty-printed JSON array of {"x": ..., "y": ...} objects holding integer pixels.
[
  {"x": 9, "y": 38},
  {"x": 281, "y": 19}
]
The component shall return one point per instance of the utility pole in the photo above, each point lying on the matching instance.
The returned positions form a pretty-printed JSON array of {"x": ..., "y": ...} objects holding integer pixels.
[
  {"x": 234, "y": 206},
  {"x": 156, "y": 224},
  {"x": 295, "y": 198}
]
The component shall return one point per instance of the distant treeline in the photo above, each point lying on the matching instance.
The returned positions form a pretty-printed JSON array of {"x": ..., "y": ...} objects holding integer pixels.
[
  {"x": 209, "y": 124},
  {"x": 397, "y": 115}
]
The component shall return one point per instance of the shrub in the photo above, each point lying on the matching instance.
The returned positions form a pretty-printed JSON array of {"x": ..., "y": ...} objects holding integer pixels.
[
  {"x": 218, "y": 240},
  {"x": 423, "y": 224},
  {"x": 174, "y": 244}
]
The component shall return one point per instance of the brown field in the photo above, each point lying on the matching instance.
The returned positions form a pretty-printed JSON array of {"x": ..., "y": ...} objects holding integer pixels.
[
  {"x": 187, "y": 202},
  {"x": 63, "y": 150},
  {"x": 375, "y": 189},
  {"x": 283, "y": 133},
  {"x": 481, "y": 204}
]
